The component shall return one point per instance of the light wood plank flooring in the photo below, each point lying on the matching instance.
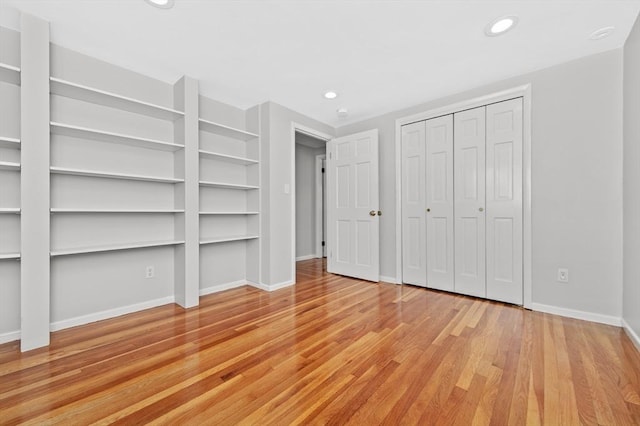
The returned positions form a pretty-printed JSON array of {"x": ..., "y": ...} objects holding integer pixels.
[{"x": 332, "y": 350}]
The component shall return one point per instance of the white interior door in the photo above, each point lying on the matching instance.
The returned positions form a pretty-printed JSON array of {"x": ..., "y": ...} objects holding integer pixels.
[
  {"x": 352, "y": 207},
  {"x": 469, "y": 166},
  {"x": 504, "y": 201},
  {"x": 414, "y": 245},
  {"x": 439, "y": 203}
]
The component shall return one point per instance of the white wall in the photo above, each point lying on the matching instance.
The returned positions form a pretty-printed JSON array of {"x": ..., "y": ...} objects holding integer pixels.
[
  {"x": 306, "y": 199},
  {"x": 277, "y": 152},
  {"x": 631, "y": 292},
  {"x": 576, "y": 180}
]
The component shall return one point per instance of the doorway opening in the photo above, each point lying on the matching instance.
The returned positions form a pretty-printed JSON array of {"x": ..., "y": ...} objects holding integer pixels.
[{"x": 310, "y": 197}]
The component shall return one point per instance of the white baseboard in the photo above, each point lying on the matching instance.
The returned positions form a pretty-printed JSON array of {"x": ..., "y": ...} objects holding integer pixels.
[
  {"x": 307, "y": 257},
  {"x": 9, "y": 337},
  {"x": 222, "y": 287},
  {"x": 271, "y": 287},
  {"x": 632, "y": 334},
  {"x": 582, "y": 315},
  {"x": 391, "y": 280},
  {"x": 110, "y": 313}
]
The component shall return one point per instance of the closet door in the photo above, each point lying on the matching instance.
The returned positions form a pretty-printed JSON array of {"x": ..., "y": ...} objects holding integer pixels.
[
  {"x": 469, "y": 165},
  {"x": 439, "y": 202},
  {"x": 504, "y": 201},
  {"x": 414, "y": 249}
]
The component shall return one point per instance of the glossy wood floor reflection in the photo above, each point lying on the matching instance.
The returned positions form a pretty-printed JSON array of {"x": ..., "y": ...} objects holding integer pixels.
[{"x": 332, "y": 350}]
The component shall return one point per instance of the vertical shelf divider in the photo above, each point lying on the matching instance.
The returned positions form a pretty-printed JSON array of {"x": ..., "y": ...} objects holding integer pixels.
[
  {"x": 253, "y": 263},
  {"x": 35, "y": 289},
  {"x": 186, "y": 163}
]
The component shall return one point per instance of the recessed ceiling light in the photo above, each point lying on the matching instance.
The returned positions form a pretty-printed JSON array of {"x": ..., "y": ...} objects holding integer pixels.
[
  {"x": 601, "y": 33},
  {"x": 500, "y": 25},
  {"x": 342, "y": 112},
  {"x": 330, "y": 94},
  {"x": 162, "y": 4}
]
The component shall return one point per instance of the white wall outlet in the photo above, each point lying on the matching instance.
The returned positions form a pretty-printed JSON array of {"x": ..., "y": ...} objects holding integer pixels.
[
  {"x": 563, "y": 275},
  {"x": 149, "y": 272}
]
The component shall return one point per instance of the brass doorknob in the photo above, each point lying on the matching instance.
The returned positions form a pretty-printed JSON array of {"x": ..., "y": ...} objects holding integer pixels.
[
  {"x": 372, "y": 213},
  {"x": 428, "y": 210},
  {"x": 379, "y": 213},
  {"x": 481, "y": 209}
]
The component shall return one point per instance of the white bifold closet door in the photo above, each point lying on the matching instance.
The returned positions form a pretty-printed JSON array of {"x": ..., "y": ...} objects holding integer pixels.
[
  {"x": 504, "y": 201},
  {"x": 439, "y": 202},
  {"x": 414, "y": 245},
  {"x": 469, "y": 182}
]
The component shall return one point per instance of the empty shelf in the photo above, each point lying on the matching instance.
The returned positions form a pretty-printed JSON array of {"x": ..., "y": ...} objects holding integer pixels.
[
  {"x": 109, "y": 175},
  {"x": 113, "y": 247},
  {"x": 6, "y": 165},
  {"x": 227, "y": 185},
  {"x": 12, "y": 210},
  {"x": 9, "y": 142},
  {"x": 227, "y": 158},
  {"x": 222, "y": 130},
  {"x": 9, "y": 74},
  {"x": 228, "y": 213},
  {"x": 216, "y": 240},
  {"x": 102, "y": 136},
  {"x": 9, "y": 256},
  {"x": 101, "y": 97},
  {"x": 58, "y": 210}
]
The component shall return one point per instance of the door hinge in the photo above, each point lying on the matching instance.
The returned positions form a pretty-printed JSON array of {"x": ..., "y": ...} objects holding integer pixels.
[
  {"x": 323, "y": 244},
  {"x": 323, "y": 170}
]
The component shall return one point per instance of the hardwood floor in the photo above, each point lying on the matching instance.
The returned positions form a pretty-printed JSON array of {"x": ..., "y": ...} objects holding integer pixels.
[{"x": 332, "y": 350}]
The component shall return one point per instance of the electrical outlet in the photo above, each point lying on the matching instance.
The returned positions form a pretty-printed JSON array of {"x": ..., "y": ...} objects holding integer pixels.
[
  {"x": 149, "y": 272},
  {"x": 563, "y": 275}
]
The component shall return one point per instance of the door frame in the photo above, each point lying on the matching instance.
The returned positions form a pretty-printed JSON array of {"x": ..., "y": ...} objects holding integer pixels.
[
  {"x": 523, "y": 92},
  {"x": 309, "y": 131},
  {"x": 320, "y": 201}
]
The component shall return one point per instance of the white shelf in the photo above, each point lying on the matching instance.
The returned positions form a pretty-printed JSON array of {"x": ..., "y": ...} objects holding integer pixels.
[
  {"x": 6, "y": 142},
  {"x": 101, "y": 97},
  {"x": 9, "y": 74},
  {"x": 102, "y": 136},
  {"x": 12, "y": 210},
  {"x": 6, "y": 165},
  {"x": 58, "y": 210},
  {"x": 217, "y": 240},
  {"x": 113, "y": 247},
  {"x": 9, "y": 256},
  {"x": 230, "y": 132},
  {"x": 109, "y": 175},
  {"x": 228, "y": 213},
  {"x": 227, "y": 185},
  {"x": 227, "y": 158}
]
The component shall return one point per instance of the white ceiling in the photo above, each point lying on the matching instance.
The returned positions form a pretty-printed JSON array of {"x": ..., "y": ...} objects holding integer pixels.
[{"x": 379, "y": 55}]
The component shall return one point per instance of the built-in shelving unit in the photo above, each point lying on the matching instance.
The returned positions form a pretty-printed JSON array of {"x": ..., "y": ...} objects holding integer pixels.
[
  {"x": 229, "y": 200},
  {"x": 103, "y": 136},
  {"x": 11, "y": 143},
  {"x": 113, "y": 247},
  {"x": 112, "y": 175},
  {"x": 227, "y": 131},
  {"x": 228, "y": 239},
  {"x": 141, "y": 175},
  {"x": 9, "y": 74},
  {"x": 102, "y": 97}
]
